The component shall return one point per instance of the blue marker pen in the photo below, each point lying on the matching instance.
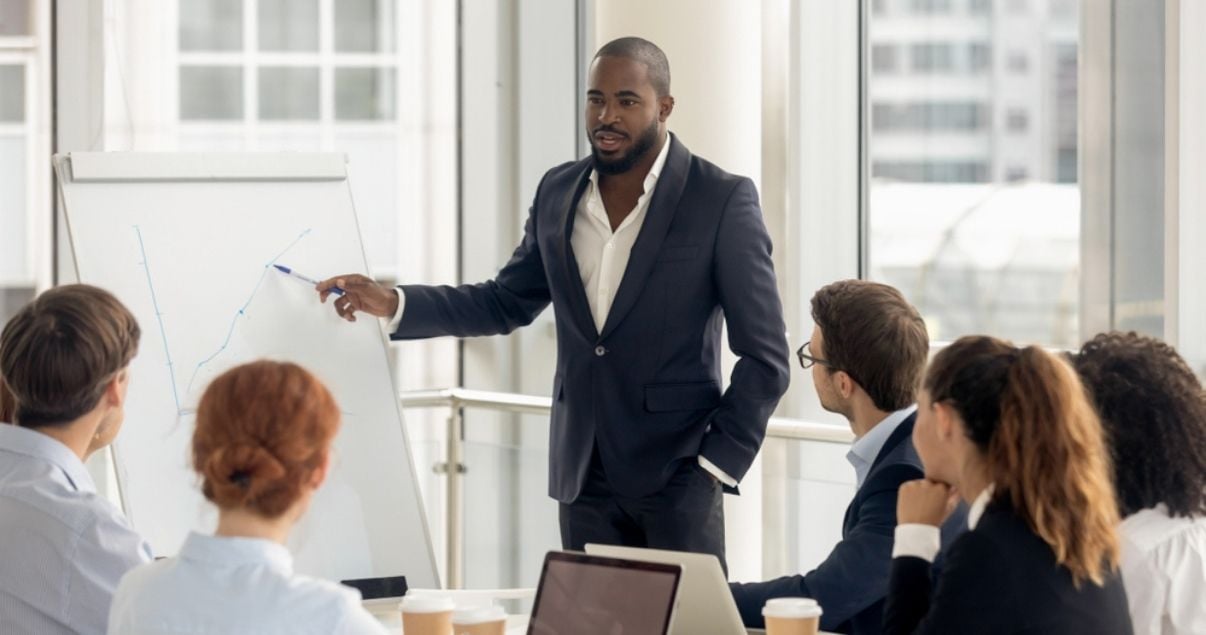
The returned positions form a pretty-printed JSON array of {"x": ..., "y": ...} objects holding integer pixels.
[{"x": 293, "y": 274}]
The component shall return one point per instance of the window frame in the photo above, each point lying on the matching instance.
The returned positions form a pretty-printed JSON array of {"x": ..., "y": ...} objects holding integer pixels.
[{"x": 32, "y": 53}]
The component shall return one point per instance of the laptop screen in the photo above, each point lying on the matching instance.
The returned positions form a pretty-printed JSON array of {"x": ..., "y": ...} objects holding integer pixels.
[{"x": 593, "y": 595}]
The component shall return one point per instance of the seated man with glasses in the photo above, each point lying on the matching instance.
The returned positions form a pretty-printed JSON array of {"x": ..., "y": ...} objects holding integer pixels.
[{"x": 867, "y": 353}]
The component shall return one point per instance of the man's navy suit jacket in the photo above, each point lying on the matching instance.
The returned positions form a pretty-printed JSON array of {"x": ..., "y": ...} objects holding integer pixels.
[
  {"x": 646, "y": 389},
  {"x": 852, "y": 583}
]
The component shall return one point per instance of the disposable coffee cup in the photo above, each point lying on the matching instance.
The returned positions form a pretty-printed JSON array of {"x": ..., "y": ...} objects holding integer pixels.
[
  {"x": 491, "y": 620},
  {"x": 427, "y": 615},
  {"x": 792, "y": 616}
]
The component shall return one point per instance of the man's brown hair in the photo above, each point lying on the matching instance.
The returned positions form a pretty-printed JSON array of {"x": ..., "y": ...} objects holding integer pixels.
[
  {"x": 8, "y": 405},
  {"x": 59, "y": 352},
  {"x": 873, "y": 334}
]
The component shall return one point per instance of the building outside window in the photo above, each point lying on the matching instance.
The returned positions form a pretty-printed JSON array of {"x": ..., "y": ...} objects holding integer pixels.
[
  {"x": 1017, "y": 120},
  {"x": 932, "y": 57},
  {"x": 974, "y": 209},
  {"x": 930, "y": 7},
  {"x": 883, "y": 58},
  {"x": 1018, "y": 62}
]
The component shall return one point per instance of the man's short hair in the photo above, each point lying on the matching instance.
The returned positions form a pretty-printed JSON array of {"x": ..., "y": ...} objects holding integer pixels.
[
  {"x": 873, "y": 334},
  {"x": 59, "y": 352},
  {"x": 8, "y": 405},
  {"x": 643, "y": 51}
]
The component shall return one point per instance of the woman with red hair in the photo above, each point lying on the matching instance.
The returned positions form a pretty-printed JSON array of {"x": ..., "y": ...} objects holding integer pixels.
[{"x": 262, "y": 448}]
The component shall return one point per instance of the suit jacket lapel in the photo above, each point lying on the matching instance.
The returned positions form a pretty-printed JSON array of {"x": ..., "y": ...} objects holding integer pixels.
[
  {"x": 666, "y": 195},
  {"x": 579, "y": 305},
  {"x": 902, "y": 432}
]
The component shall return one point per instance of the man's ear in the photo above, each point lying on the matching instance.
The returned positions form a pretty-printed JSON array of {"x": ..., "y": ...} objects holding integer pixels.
[
  {"x": 115, "y": 390},
  {"x": 845, "y": 384},
  {"x": 665, "y": 106}
]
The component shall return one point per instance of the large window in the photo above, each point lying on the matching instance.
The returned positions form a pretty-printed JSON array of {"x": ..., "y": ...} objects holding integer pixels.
[
  {"x": 301, "y": 75},
  {"x": 374, "y": 79},
  {"x": 974, "y": 210},
  {"x": 24, "y": 153}
]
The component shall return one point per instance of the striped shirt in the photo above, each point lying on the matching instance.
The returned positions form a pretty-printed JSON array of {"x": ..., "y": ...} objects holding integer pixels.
[{"x": 63, "y": 548}]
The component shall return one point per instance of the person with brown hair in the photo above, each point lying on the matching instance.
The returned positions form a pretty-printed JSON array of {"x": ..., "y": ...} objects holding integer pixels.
[
  {"x": 1154, "y": 412},
  {"x": 8, "y": 405},
  {"x": 866, "y": 355},
  {"x": 1012, "y": 432},
  {"x": 64, "y": 361},
  {"x": 262, "y": 447}
]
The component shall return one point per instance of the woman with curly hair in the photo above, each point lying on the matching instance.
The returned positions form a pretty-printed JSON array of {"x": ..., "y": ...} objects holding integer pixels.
[{"x": 1154, "y": 411}]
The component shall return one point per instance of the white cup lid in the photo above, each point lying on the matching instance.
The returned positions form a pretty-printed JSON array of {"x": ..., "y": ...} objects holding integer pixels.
[
  {"x": 479, "y": 615},
  {"x": 427, "y": 604},
  {"x": 791, "y": 608}
]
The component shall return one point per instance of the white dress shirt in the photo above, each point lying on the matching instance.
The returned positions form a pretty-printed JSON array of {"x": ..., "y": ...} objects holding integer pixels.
[
  {"x": 63, "y": 548},
  {"x": 1164, "y": 570},
  {"x": 866, "y": 448},
  {"x": 234, "y": 585},
  {"x": 602, "y": 256},
  {"x": 924, "y": 541}
]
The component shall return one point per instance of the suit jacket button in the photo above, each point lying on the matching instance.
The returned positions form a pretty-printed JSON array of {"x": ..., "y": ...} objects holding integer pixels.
[{"x": 600, "y": 351}]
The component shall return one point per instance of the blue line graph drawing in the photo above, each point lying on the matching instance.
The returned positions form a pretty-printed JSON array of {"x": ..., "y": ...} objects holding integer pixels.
[
  {"x": 158, "y": 317},
  {"x": 243, "y": 310},
  {"x": 234, "y": 322}
]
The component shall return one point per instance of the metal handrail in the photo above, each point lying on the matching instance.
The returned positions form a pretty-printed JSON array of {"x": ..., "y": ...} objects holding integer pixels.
[
  {"x": 453, "y": 467},
  {"x": 779, "y": 427},
  {"x": 465, "y": 398}
]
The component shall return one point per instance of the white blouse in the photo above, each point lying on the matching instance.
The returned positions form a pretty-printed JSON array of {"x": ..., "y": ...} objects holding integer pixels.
[
  {"x": 1164, "y": 570},
  {"x": 234, "y": 585}
]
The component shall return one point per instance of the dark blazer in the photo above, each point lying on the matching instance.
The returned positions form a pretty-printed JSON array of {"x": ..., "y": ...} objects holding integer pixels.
[
  {"x": 1001, "y": 578},
  {"x": 850, "y": 585},
  {"x": 647, "y": 388}
]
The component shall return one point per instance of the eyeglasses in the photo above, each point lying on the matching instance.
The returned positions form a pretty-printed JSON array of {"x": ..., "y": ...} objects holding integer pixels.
[{"x": 807, "y": 361}]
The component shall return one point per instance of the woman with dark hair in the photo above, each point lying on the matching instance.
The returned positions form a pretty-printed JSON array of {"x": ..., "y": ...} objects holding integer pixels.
[
  {"x": 1154, "y": 412},
  {"x": 262, "y": 448},
  {"x": 1011, "y": 431}
]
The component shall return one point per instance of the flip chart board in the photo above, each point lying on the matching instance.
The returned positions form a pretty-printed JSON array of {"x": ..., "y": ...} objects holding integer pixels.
[{"x": 187, "y": 241}]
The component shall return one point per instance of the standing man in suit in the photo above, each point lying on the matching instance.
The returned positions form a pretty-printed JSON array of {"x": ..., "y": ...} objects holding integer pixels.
[
  {"x": 643, "y": 249},
  {"x": 867, "y": 354}
]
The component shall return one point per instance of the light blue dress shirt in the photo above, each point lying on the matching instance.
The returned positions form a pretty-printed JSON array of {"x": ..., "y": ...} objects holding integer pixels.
[
  {"x": 230, "y": 585},
  {"x": 865, "y": 448},
  {"x": 63, "y": 548}
]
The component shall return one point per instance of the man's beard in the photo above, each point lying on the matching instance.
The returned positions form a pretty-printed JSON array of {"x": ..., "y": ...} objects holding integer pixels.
[{"x": 624, "y": 163}]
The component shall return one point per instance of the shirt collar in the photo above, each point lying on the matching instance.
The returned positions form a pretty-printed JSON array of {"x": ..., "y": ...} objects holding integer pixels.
[
  {"x": 235, "y": 551},
  {"x": 32, "y": 443},
  {"x": 866, "y": 448},
  {"x": 655, "y": 170},
  {"x": 978, "y": 506}
]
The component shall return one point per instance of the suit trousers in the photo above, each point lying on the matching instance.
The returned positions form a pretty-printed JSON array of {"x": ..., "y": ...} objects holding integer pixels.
[{"x": 685, "y": 515}]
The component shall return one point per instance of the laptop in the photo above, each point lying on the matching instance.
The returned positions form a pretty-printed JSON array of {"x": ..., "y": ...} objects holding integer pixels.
[
  {"x": 595, "y": 595},
  {"x": 705, "y": 603}
]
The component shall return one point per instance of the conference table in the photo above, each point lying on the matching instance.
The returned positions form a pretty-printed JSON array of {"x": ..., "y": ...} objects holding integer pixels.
[
  {"x": 388, "y": 610},
  {"x": 391, "y": 617}
]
